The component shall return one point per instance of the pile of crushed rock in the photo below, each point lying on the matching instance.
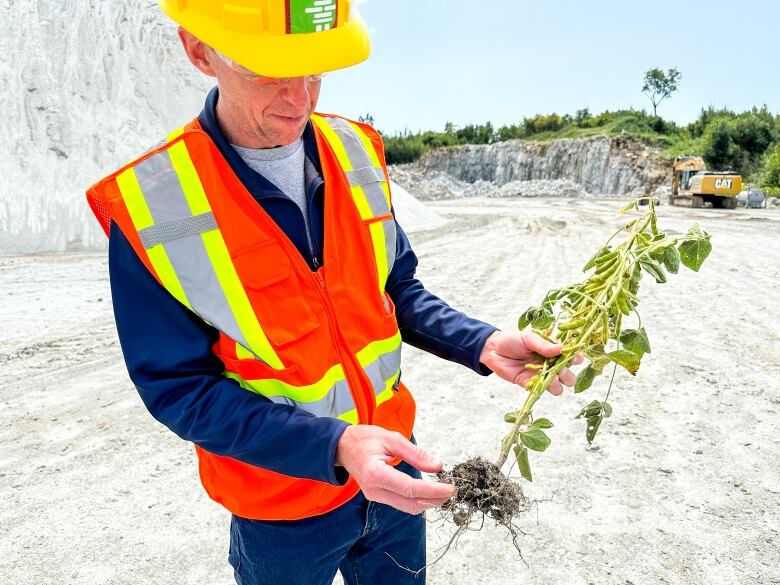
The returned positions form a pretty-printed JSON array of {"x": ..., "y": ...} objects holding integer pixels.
[{"x": 436, "y": 185}]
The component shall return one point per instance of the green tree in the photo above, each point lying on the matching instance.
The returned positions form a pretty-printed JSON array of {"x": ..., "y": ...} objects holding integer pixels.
[
  {"x": 770, "y": 177},
  {"x": 659, "y": 85},
  {"x": 720, "y": 151}
]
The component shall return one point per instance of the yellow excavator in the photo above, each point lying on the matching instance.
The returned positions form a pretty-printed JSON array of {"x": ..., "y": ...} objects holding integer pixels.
[{"x": 694, "y": 186}]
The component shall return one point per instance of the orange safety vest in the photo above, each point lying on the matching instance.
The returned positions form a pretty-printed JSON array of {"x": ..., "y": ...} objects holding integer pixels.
[{"x": 326, "y": 342}]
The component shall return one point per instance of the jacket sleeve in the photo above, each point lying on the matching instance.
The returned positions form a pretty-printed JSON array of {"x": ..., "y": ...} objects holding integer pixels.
[
  {"x": 167, "y": 349},
  {"x": 426, "y": 321}
]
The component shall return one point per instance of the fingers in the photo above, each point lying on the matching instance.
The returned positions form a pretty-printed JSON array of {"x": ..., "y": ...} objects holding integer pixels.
[
  {"x": 555, "y": 387},
  {"x": 408, "y": 505},
  {"x": 541, "y": 346},
  {"x": 413, "y": 455},
  {"x": 567, "y": 377},
  {"x": 578, "y": 359},
  {"x": 390, "y": 479}
]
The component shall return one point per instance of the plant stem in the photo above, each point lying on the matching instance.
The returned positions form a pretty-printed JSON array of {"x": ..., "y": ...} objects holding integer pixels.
[{"x": 602, "y": 302}]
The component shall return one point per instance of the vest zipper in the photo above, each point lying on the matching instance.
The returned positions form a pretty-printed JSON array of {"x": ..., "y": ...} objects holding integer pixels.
[{"x": 365, "y": 410}]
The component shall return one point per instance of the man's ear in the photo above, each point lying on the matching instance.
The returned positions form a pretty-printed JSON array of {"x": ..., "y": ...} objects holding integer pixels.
[{"x": 197, "y": 52}]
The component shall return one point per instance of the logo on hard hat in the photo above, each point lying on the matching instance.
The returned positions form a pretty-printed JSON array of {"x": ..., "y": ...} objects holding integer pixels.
[{"x": 310, "y": 16}]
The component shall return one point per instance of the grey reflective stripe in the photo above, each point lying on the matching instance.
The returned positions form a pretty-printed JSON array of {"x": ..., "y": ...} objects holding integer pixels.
[
  {"x": 166, "y": 201},
  {"x": 359, "y": 158},
  {"x": 384, "y": 368},
  {"x": 365, "y": 176},
  {"x": 167, "y": 231},
  {"x": 390, "y": 242},
  {"x": 338, "y": 400}
]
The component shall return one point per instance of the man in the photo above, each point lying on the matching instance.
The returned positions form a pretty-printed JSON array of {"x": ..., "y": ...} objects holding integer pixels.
[{"x": 261, "y": 289}]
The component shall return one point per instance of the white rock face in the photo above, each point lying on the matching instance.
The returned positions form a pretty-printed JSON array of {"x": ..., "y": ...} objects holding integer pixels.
[
  {"x": 87, "y": 86},
  {"x": 599, "y": 165},
  {"x": 437, "y": 185}
]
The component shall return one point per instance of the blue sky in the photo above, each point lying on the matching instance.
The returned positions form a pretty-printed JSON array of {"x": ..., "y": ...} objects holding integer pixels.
[{"x": 435, "y": 61}]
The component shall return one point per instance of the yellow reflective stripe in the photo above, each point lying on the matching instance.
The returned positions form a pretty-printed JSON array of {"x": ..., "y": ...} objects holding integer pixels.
[
  {"x": 341, "y": 154},
  {"x": 162, "y": 265},
  {"x": 237, "y": 299},
  {"x": 334, "y": 141},
  {"x": 351, "y": 416},
  {"x": 134, "y": 199},
  {"x": 310, "y": 393},
  {"x": 175, "y": 134},
  {"x": 369, "y": 146},
  {"x": 142, "y": 218},
  {"x": 380, "y": 253},
  {"x": 243, "y": 353},
  {"x": 189, "y": 179},
  {"x": 374, "y": 349},
  {"x": 361, "y": 202},
  {"x": 220, "y": 259}
]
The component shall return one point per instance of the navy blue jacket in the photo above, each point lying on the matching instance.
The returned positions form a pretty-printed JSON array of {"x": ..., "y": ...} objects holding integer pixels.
[{"x": 167, "y": 348}]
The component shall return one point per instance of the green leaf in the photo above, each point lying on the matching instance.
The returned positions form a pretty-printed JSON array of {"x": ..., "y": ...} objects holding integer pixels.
[
  {"x": 626, "y": 208},
  {"x": 526, "y": 318},
  {"x": 542, "y": 423},
  {"x": 585, "y": 379},
  {"x": 654, "y": 269},
  {"x": 600, "y": 363},
  {"x": 544, "y": 318},
  {"x": 521, "y": 453},
  {"x": 671, "y": 259},
  {"x": 694, "y": 251},
  {"x": 594, "y": 422},
  {"x": 628, "y": 359},
  {"x": 592, "y": 262},
  {"x": 594, "y": 350},
  {"x": 592, "y": 409},
  {"x": 594, "y": 413},
  {"x": 636, "y": 341},
  {"x": 535, "y": 439}
]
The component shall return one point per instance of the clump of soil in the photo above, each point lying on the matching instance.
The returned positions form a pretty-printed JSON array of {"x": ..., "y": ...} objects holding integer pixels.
[{"x": 482, "y": 490}]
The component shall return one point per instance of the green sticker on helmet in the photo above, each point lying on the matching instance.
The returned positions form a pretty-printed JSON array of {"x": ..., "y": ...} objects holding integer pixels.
[{"x": 309, "y": 16}]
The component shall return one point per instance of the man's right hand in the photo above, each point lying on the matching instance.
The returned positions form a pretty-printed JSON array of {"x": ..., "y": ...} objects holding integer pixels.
[{"x": 365, "y": 450}]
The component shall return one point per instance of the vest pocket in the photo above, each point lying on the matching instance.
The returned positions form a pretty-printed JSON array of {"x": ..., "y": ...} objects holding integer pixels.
[{"x": 274, "y": 292}]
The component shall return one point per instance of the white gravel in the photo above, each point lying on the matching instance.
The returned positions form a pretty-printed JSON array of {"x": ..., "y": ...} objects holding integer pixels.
[{"x": 682, "y": 487}]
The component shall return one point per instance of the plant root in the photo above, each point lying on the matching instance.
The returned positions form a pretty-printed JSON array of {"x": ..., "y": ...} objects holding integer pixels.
[{"x": 483, "y": 491}]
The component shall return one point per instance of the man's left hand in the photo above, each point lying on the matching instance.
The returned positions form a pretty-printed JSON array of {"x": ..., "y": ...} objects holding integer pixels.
[{"x": 508, "y": 353}]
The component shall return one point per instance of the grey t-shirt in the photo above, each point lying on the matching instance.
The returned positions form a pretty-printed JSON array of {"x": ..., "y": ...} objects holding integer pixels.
[{"x": 284, "y": 167}]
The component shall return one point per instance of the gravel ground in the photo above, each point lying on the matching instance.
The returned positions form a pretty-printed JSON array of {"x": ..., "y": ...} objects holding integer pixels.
[{"x": 682, "y": 485}]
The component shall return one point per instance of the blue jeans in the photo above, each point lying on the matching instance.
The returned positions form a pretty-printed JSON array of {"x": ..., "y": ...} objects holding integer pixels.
[{"x": 358, "y": 538}]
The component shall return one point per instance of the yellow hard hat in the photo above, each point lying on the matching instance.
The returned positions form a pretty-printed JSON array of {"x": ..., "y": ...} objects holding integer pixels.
[{"x": 277, "y": 38}]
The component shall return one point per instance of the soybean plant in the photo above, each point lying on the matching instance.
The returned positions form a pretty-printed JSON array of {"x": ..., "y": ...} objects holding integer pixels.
[{"x": 589, "y": 318}]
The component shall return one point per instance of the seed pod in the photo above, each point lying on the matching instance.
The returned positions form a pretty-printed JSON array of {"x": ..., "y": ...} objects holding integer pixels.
[
  {"x": 571, "y": 325},
  {"x": 630, "y": 296},
  {"x": 605, "y": 327},
  {"x": 532, "y": 381},
  {"x": 623, "y": 305},
  {"x": 607, "y": 266},
  {"x": 570, "y": 347},
  {"x": 543, "y": 335},
  {"x": 534, "y": 366},
  {"x": 607, "y": 257}
]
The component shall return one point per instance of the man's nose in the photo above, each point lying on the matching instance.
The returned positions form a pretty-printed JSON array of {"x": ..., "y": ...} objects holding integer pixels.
[{"x": 296, "y": 92}]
